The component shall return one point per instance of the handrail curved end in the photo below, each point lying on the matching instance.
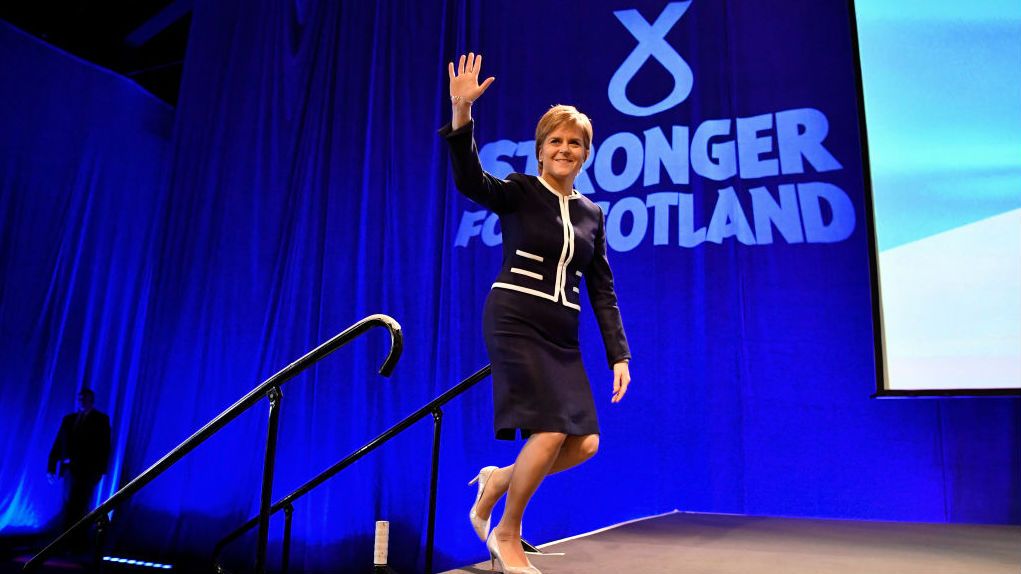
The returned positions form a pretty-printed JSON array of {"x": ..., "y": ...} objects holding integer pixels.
[{"x": 396, "y": 341}]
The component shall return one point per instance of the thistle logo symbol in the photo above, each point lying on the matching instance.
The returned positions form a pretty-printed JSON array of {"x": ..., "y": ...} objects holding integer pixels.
[{"x": 651, "y": 44}]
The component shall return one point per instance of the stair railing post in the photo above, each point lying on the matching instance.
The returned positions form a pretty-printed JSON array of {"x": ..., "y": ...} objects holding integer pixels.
[
  {"x": 430, "y": 537},
  {"x": 266, "y": 498},
  {"x": 288, "y": 516},
  {"x": 97, "y": 553}
]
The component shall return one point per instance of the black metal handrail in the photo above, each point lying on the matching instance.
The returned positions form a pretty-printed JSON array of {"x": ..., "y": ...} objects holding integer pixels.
[
  {"x": 268, "y": 388},
  {"x": 287, "y": 503}
]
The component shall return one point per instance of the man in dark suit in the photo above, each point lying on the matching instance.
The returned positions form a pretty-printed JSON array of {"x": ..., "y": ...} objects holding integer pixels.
[{"x": 80, "y": 455}]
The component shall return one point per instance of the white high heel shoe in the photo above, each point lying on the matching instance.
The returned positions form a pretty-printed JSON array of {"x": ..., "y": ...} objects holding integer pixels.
[
  {"x": 494, "y": 557},
  {"x": 480, "y": 525}
]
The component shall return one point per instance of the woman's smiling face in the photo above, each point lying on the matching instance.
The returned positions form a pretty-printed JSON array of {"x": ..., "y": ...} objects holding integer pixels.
[{"x": 563, "y": 152}]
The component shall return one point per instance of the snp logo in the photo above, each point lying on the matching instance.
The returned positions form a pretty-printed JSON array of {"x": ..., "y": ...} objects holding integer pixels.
[{"x": 651, "y": 44}]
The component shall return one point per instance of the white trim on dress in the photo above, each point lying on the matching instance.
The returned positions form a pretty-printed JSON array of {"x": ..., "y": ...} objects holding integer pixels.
[
  {"x": 526, "y": 273},
  {"x": 528, "y": 255}
]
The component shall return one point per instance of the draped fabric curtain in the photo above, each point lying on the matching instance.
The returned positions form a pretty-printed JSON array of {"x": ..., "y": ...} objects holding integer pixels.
[
  {"x": 172, "y": 259},
  {"x": 81, "y": 187},
  {"x": 297, "y": 205}
]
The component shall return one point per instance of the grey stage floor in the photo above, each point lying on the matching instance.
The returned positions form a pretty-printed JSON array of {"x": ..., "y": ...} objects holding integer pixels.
[{"x": 728, "y": 544}]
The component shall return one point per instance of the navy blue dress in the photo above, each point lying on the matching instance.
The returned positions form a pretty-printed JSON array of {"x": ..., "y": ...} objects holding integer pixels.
[{"x": 530, "y": 320}]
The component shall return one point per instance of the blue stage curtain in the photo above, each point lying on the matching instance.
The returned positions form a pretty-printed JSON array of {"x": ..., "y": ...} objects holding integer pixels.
[
  {"x": 306, "y": 191},
  {"x": 81, "y": 186},
  {"x": 305, "y": 188}
]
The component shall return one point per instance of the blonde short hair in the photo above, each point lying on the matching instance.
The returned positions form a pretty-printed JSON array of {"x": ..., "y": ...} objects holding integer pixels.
[{"x": 557, "y": 116}]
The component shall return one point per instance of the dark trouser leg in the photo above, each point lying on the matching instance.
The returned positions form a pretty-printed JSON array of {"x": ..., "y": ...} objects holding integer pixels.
[{"x": 77, "y": 504}]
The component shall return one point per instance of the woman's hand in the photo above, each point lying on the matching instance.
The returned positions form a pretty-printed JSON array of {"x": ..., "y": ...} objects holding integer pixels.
[
  {"x": 465, "y": 87},
  {"x": 464, "y": 84},
  {"x": 621, "y": 380}
]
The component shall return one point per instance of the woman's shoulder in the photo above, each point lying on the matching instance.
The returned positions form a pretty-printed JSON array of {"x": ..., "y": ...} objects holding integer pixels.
[
  {"x": 588, "y": 205},
  {"x": 524, "y": 179},
  {"x": 527, "y": 183}
]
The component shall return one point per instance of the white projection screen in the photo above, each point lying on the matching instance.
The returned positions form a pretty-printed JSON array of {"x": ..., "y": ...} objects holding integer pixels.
[{"x": 941, "y": 102}]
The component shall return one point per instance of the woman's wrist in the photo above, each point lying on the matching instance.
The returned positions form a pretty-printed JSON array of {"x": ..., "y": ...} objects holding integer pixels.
[{"x": 461, "y": 111}]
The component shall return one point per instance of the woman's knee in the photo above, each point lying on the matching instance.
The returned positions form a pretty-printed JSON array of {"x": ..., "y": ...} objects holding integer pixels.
[
  {"x": 589, "y": 445},
  {"x": 550, "y": 440}
]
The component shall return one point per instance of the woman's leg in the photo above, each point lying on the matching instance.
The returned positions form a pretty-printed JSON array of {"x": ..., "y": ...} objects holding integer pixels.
[
  {"x": 532, "y": 465},
  {"x": 575, "y": 450}
]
